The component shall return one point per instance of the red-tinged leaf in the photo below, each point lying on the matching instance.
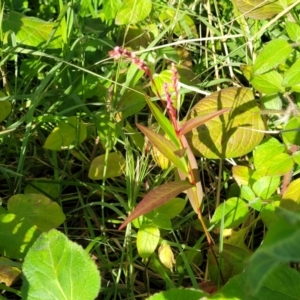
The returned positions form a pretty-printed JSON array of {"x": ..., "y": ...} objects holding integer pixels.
[
  {"x": 195, "y": 122},
  {"x": 164, "y": 122},
  {"x": 164, "y": 146},
  {"x": 156, "y": 198}
]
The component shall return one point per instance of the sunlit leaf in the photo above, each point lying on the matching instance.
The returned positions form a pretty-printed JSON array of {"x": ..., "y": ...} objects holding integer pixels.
[
  {"x": 266, "y": 186},
  {"x": 56, "y": 268},
  {"x": 230, "y": 134},
  {"x": 259, "y": 9},
  {"x": 38, "y": 209},
  {"x": 166, "y": 147},
  {"x": 291, "y": 197},
  {"x": 156, "y": 198},
  {"x": 166, "y": 256},
  {"x": 241, "y": 174},
  {"x": 68, "y": 133},
  {"x": 5, "y": 107},
  {"x": 271, "y": 56},
  {"x": 293, "y": 30},
  {"x": 32, "y": 31},
  {"x": 133, "y": 11},
  {"x": 268, "y": 83},
  {"x": 107, "y": 166},
  {"x": 147, "y": 240},
  {"x": 195, "y": 122},
  {"x": 234, "y": 211},
  {"x": 292, "y": 75}
]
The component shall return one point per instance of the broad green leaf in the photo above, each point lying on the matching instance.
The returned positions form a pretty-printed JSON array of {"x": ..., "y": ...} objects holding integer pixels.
[
  {"x": 272, "y": 102},
  {"x": 232, "y": 262},
  {"x": 68, "y": 133},
  {"x": 241, "y": 174},
  {"x": 269, "y": 159},
  {"x": 156, "y": 198},
  {"x": 234, "y": 211},
  {"x": 274, "y": 53},
  {"x": 280, "y": 245},
  {"x": 110, "y": 8},
  {"x": 179, "y": 294},
  {"x": 161, "y": 221},
  {"x": 56, "y": 268},
  {"x": 164, "y": 122},
  {"x": 147, "y": 240},
  {"x": 267, "y": 213},
  {"x": 195, "y": 122},
  {"x": 133, "y": 11},
  {"x": 184, "y": 24},
  {"x": 8, "y": 273},
  {"x": 5, "y": 107},
  {"x": 259, "y": 9},
  {"x": 292, "y": 76},
  {"x": 247, "y": 193},
  {"x": 291, "y": 135},
  {"x": 296, "y": 157},
  {"x": 293, "y": 30},
  {"x": 281, "y": 283},
  {"x": 230, "y": 134},
  {"x": 32, "y": 31},
  {"x": 165, "y": 77},
  {"x": 43, "y": 186},
  {"x": 172, "y": 208},
  {"x": 38, "y": 209},
  {"x": 17, "y": 234},
  {"x": 166, "y": 147},
  {"x": 268, "y": 83},
  {"x": 291, "y": 198},
  {"x": 107, "y": 167},
  {"x": 130, "y": 104},
  {"x": 266, "y": 186}
]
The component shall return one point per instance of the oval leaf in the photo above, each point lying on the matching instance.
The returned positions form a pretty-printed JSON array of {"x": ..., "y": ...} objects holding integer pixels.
[
  {"x": 274, "y": 53},
  {"x": 156, "y": 198},
  {"x": 234, "y": 211},
  {"x": 59, "y": 268},
  {"x": 268, "y": 83},
  {"x": 133, "y": 11},
  {"x": 229, "y": 135},
  {"x": 38, "y": 209},
  {"x": 147, "y": 240},
  {"x": 107, "y": 167},
  {"x": 69, "y": 132},
  {"x": 292, "y": 76}
]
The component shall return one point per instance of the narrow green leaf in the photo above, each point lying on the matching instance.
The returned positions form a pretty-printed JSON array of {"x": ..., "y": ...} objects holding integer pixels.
[
  {"x": 56, "y": 268},
  {"x": 147, "y": 240},
  {"x": 156, "y": 198},
  {"x": 165, "y": 147},
  {"x": 274, "y": 53},
  {"x": 195, "y": 122},
  {"x": 164, "y": 122},
  {"x": 268, "y": 83}
]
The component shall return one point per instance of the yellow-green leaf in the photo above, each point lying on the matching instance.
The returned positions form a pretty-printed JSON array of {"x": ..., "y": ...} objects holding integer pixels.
[
  {"x": 107, "y": 167},
  {"x": 231, "y": 134},
  {"x": 147, "y": 240}
]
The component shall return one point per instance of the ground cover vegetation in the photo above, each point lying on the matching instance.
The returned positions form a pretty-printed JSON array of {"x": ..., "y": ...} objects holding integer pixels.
[{"x": 149, "y": 149}]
